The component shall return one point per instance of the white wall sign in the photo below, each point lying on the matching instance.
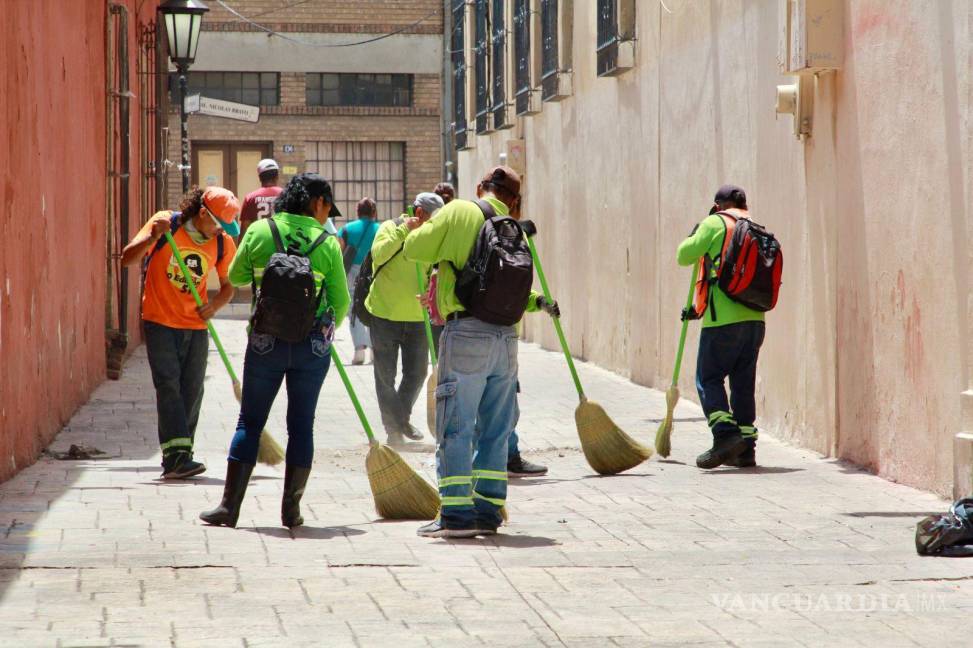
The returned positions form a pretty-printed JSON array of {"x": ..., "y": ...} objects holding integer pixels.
[{"x": 220, "y": 108}]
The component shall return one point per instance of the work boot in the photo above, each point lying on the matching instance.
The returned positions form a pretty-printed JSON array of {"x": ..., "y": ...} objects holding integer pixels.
[
  {"x": 747, "y": 458},
  {"x": 412, "y": 432},
  {"x": 435, "y": 529},
  {"x": 394, "y": 438},
  {"x": 180, "y": 465},
  {"x": 227, "y": 513},
  {"x": 726, "y": 447},
  {"x": 295, "y": 478},
  {"x": 520, "y": 467}
]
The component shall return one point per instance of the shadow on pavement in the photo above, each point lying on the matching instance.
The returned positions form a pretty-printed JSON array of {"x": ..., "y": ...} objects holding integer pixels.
[
  {"x": 891, "y": 514},
  {"x": 305, "y": 532},
  {"x": 759, "y": 470},
  {"x": 421, "y": 448}
]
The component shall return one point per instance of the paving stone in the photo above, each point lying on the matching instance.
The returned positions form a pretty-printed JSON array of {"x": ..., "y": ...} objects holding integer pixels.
[{"x": 102, "y": 552}]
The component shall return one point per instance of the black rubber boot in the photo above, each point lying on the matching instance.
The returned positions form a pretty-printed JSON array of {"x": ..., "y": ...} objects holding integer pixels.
[
  {"x": 726, "y": 448},
  {"x": 227, "y": 513},
  {"x": 747, "y": 458},
  {"x": 295, "y": 478}
]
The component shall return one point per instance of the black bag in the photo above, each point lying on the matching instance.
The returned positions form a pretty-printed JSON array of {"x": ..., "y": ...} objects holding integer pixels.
[
  {"x": 363, "y": 285},
  {"x": 494, "y": 285},
  {"x": 286, "y": 302},
  {"x": 351, "y": 251},
  {"x": 950, "y": 534}
]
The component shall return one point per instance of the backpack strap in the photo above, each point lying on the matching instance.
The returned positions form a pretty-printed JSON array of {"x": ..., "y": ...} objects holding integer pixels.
[
  {"x": 487, "y": 209},
  {"x": 278, "y": 242},
  {"x": 174, "y": 224},
  {"x": 318, "y": 241},
  {"x": 398, "y": 221}
]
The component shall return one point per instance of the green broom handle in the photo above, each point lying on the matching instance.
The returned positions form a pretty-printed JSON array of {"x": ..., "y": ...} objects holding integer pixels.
[
  {"x": 685, "y": 326},
  {"x": 425, "y": 316},
  {"x": 557, "y": 321},
  {"x": 351, "y": 394},
  {"x": 199, "y": 302}
]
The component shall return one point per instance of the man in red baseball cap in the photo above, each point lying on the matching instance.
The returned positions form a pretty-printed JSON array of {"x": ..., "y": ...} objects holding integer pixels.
[{"x": 175, "y": 327}]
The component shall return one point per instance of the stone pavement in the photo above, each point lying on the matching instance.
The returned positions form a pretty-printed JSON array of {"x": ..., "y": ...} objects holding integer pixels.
[{"x": 802, "y": 551}]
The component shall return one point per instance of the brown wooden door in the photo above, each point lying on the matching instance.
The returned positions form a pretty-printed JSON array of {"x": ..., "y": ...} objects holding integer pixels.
[{"x": 229, "y": 164}]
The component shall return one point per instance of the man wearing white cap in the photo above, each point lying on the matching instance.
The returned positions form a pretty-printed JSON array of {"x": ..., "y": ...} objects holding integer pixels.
[{"x": 260, "y": 203}]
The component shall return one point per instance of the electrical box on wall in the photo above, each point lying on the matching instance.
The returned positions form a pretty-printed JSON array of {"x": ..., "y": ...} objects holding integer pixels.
[
  {"x": 811, "y": 36},
  {"x": 797, "y": 99}
]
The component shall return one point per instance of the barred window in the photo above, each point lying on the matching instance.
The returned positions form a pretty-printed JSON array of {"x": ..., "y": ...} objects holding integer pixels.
[
  {"x": 549, "y": 45},
  {"x": 332, "y": 89},
  {"x": 499, "y": 42},
  {"x": 481, "y": 56},
  {"x": 359, "y": 169},
  {"x": 607, "y": 50},
  {"x": 251, "y": 88},
  {"x": 522, "y": 88},
  {"x": 458, "y": 61}
]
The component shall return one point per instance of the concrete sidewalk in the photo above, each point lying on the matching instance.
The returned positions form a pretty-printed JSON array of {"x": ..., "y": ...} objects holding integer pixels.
[{"x": 802, "y": 551}]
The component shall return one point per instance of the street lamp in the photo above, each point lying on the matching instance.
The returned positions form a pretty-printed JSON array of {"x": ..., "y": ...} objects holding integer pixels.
[{"x": 183, "y": 19}]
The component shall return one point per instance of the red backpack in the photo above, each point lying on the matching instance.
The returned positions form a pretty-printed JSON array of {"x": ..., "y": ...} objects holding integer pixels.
[{"x": 748, "y": 270}]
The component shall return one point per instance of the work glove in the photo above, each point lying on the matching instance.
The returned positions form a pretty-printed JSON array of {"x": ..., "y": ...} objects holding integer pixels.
[{"x": 549, "y": 307}]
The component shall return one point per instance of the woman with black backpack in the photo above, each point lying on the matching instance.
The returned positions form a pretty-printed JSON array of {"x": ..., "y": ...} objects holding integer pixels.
[{"x": 301, "y": 296}]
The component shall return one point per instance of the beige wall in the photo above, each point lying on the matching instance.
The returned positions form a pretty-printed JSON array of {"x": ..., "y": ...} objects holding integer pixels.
[{"x": 865, "y": 356}]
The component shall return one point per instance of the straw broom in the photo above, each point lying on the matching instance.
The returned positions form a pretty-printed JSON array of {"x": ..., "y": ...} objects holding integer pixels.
[
  {"x": 433, "y": 379},
  {"x": 606, "y": 446},
  {"x": 663, "y": 436},
  {"x": 399, "y": 492},
  {"x": 269, "y": 452}
]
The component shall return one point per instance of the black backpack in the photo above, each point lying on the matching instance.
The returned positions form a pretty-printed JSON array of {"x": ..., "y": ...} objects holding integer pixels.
[
  {"x": 494, "y": 285},
  {"x": 286, "y": 302},
  {"x": 363, "y": 285}
]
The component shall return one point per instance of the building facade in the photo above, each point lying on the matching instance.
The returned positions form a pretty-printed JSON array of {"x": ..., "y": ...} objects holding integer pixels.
[
  {"x": 349, "y": 90},
  {"x": 626, "y": 116},
  {"x": 80, "y": 158}
]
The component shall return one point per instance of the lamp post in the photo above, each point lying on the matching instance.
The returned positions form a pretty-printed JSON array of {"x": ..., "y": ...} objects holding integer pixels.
[{"x": 183, "y": 19}]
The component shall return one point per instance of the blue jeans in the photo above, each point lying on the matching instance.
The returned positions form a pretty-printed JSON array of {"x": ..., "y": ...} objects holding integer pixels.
[
  {"x": 268, "y": 362},
  {"x": 729, "y": 351},
  {"x": 476, "y": 410},
  {"x": 177, "y": 358}
]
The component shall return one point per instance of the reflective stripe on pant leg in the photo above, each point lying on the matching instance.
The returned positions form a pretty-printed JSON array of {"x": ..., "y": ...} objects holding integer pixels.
[
  {"x": 493, "y": 500},
  {"x": 179, "y": 444},
  {"x": 749, "y": 432},
  {"x": 721, "y": 417}
]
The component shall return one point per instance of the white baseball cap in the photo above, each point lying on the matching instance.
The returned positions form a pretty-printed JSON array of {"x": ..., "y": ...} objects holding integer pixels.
[{"x": 267, "y": 164}]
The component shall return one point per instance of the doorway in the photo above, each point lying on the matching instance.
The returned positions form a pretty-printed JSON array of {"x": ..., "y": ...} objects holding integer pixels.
[{"x": 229, "y": 164}]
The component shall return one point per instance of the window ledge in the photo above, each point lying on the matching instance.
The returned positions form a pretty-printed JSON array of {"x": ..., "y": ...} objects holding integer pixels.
[
  {"x": 624, "y": 55},
  {"x": 557, "y": 86}
]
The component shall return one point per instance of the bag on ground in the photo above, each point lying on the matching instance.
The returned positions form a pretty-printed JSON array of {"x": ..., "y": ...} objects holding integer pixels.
[{"x": 949, "y": 534}]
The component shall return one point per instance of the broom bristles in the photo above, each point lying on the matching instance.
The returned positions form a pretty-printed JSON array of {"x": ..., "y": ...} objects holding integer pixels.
[
  {"x": 663, "y": 437},
  {"x": 399, "y": 492},
  {"x": 269, "y": 452},
  {"x": 606, "y": 447}
]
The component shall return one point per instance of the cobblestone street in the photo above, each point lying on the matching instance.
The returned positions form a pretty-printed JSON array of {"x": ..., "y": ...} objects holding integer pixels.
[{"x": 801, "y": 551}]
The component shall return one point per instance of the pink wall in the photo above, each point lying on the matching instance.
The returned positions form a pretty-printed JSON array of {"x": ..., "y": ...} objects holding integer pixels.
[{"x": 53, "y": 225}]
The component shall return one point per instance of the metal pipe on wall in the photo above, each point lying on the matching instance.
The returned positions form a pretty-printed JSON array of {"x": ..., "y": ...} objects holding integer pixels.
[{"x": 124, "y": 104}]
